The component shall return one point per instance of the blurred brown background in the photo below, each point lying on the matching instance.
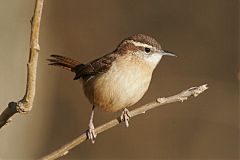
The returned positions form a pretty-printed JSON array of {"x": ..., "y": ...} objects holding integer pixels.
[{"x": 203, "y": 33}]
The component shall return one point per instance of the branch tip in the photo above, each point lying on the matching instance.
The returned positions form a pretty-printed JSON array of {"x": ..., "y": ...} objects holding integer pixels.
[{"x": 194, "y": 91}]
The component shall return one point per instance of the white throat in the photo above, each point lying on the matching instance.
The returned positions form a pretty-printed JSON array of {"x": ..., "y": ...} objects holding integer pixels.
[{"x": 153, "y": 59}]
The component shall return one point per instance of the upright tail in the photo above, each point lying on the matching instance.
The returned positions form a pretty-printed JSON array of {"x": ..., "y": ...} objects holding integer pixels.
[{"x": 64, "y": 62}]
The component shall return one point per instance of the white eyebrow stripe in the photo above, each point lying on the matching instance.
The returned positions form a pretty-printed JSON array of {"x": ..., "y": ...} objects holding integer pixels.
[{"x": 140, "y": 44}]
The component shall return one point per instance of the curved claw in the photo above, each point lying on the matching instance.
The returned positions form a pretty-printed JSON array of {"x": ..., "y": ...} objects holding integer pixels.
[
  {"x": 125, "y": 116},
  {"x": 91, "y": 133}
]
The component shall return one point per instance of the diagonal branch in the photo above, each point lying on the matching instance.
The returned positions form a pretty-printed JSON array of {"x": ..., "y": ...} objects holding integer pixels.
[
  {"x": 194, "y": 91},
  {"x": 25, "y": 104}
]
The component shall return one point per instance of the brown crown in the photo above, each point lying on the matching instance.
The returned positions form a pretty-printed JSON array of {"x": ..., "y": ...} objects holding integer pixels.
[{"x": 145, "y": 40}]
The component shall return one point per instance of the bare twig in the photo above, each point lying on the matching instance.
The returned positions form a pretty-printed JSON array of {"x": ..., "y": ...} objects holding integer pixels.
[
  {"x": 25, "y": 104},
  {"x": 194, "y": 91}
]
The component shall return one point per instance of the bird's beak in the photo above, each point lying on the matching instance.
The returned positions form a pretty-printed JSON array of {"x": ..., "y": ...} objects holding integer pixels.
[{"x": 166, "y": 53}]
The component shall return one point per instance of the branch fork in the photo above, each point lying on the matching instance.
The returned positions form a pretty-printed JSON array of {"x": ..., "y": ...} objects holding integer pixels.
[{"x": 26, "y": 103}]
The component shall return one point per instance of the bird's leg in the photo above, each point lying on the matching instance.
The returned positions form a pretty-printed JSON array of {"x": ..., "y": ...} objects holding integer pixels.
[
  {"x": 125, "y": 116},
  {"x": 91, "y": 132}
]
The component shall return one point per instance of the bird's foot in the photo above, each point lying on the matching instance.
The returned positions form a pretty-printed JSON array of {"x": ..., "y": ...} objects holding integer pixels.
[
  {"x": 125, "y": 116},
  {"x": 91, "y": 132}
]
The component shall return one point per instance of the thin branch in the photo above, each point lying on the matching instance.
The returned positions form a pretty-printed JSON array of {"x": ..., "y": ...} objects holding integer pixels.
[
  {"x": 194, "y": 91},
  {"x": 25, "y": 104}
]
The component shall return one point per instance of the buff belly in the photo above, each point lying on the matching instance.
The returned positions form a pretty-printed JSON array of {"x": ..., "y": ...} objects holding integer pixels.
[{"x": 120, "y": 87}]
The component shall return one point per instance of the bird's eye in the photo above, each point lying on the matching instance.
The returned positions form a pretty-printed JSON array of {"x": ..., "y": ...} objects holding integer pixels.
[{"x": 147, "y": 50}]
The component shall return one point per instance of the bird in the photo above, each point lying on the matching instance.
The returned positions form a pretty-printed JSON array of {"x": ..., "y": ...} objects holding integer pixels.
[{"x": 119, "y": 79}]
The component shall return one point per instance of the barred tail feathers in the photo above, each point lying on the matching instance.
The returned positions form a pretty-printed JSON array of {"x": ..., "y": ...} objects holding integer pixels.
[{"x": 63, "y": 62}]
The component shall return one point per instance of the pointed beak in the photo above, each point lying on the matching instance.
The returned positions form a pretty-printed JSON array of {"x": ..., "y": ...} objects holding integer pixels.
[{"x": 166, "y": 53}]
